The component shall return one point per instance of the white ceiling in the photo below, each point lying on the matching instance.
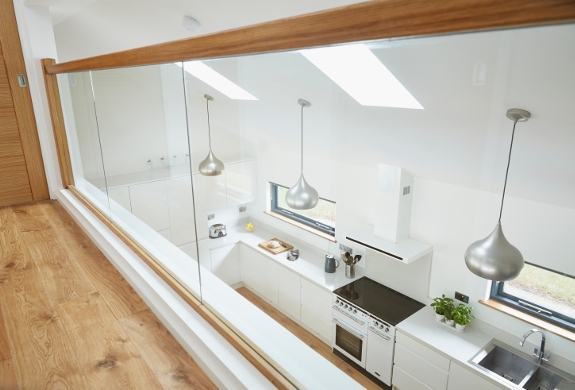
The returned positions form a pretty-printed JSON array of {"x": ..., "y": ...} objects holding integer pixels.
[
  {"x": 85, "y": 28},
  {"x": 461, "y": 137}
]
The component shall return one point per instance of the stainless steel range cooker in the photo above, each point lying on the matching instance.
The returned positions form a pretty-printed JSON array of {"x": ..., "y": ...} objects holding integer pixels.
[{"x": 364, "y": 317}]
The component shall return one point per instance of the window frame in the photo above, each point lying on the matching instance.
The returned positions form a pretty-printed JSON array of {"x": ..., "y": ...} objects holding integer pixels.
[
  {"x": 556, "y": 318},
  {"x": 294, "y": 216}
]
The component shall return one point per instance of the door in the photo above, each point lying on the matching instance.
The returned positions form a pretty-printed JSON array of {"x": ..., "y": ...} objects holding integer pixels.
[
  {"x": 379, "y": 359},
  {"x": 289, "y": 292},
  {"x": 22, "y": 176}
]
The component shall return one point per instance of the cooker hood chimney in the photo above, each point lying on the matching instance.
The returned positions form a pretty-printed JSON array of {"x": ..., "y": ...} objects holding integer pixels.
[{"x": 390, "y": 233}]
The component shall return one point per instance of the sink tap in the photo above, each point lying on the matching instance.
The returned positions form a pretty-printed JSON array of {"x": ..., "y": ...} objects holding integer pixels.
[{"x": 539, "y": 354}]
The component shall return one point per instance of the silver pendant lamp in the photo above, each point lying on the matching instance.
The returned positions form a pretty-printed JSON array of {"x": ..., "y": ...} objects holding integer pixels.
[
  {"x": 211, "y": 165},
  {"x": 494, "y": 258},
  {"x": 302, "y": 196}
]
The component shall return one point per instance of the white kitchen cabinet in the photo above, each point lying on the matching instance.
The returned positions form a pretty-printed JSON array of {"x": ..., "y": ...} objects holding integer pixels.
[
  {"x": 150, "y": 204},
  {"x": 181, "y": 210},
  {"x": 241, "y": 182},
  {"x": 226, "y": 264},
  {"x": 403, "y": 381},
  {"x": 421, "y": 362},
  {"x": 316, "y": 309},
  {"x": 259, "y": 273},
  {"x": 121, "y": 195},
  {"x": 289, "y": 285},
  {"x": 463, "y": 378}
]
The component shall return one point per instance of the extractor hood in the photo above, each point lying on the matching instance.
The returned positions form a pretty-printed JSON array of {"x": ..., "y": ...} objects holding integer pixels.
[{"x": 390, "y": 233}]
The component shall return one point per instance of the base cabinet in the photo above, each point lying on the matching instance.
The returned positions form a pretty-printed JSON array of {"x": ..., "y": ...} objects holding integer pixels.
[
  {"x": 289, "y": 285},
  {"x": 226, "y": 264},
  {"x": 462, "y": 378},
  {"x": 403, "y": 381},
  {"x": 259, "y": 273}
]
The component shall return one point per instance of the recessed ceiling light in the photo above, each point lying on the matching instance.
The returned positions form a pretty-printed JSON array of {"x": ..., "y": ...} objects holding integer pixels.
[
  {"x": 190, "y": 24},
  {"x": 360, "y": 73},
  {"x": 214, "y": 79}
]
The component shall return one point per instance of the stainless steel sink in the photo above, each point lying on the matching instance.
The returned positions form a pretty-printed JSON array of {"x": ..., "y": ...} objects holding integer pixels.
[
  {"x": 519, "y": 371},
  {"x": 505, "y": 363}
]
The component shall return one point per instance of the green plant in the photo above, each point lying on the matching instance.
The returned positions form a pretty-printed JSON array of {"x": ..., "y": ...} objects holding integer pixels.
[
  {"x": 462, "y": 314},
  {"x": 443, "y": 306}
]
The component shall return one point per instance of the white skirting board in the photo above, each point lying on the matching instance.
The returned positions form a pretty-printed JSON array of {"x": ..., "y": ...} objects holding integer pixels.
[{"x": 225, "y": 366}]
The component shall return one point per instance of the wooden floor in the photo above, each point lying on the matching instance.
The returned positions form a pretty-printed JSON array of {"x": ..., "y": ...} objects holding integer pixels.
[
  {"x": 69, "y": 320},
  {"x": 313, "y": 342}
]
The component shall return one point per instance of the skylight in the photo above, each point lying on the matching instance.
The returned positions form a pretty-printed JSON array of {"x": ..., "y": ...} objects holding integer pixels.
[
  {"x": 214, "y": 79},
  {"x": 359, "y": 73}
]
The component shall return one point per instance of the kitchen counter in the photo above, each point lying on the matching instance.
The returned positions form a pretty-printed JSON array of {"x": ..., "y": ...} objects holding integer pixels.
[{"x": 309, "y": 265}]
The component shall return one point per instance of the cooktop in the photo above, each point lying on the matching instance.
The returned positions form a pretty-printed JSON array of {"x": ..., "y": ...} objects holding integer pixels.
[{"x": 379, "y": 300}]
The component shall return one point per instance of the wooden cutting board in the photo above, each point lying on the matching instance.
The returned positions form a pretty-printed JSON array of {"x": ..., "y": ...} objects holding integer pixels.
[{"x": 284, "y": 246}]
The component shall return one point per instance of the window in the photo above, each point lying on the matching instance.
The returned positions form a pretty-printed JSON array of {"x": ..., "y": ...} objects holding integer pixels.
[
  {"x": 542, "y": 293},
  {"x": 320, "y": 218}
]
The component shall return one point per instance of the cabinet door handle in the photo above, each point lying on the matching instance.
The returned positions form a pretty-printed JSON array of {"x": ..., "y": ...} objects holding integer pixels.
[{"x": 359, "y": 336}]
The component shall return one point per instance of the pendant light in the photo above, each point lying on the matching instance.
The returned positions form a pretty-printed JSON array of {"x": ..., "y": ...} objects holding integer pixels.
[
  {"x": 210, "y": 166},
  {"x": 302, "y": 196},
  {"x": 494, "y": 258}
]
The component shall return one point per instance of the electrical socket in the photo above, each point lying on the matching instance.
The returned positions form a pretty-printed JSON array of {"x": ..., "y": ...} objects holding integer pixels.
[
  {"x": 461, "y": 297},
  {"x": 242, "y": 209},
  {"x": 344, "y": 249},
  {"x": 211, "y": 216}
]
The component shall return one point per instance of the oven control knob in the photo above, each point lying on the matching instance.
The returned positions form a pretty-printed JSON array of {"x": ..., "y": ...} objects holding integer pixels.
[
  {"x": 341, "y": 303},
  {"x": 376, "y": 323},
  {"x": 387, "y": 329},
  {"x": 346, "y": 305},
  {"x": 381, "y": 326},
  {"x": 349, "y": 308},
  {"x": 354, "y": 311}
]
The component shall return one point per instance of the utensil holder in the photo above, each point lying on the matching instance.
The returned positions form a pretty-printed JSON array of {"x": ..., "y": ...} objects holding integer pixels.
[{"x": 349, "y": 271}]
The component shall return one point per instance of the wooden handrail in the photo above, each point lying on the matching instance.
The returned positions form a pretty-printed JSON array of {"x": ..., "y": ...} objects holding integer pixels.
[{"x": 360, "y": 22}]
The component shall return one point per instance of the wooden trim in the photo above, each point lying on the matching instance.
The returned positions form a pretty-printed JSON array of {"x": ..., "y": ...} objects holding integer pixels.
[
  {"x": 260, "y": 362},
  {"x": 360, "y": 22},
  {"x": 529, "y": 319},
  {"x": 301, "y": 226},
  {"x": 22, "y": 101},
  {"x": 58, "y": 126}
]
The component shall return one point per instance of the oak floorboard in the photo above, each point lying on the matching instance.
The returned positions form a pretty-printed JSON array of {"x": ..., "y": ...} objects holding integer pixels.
[
  {"x": 171, "y": 364},
  {"x": 12, "y": 257},
  {"x": 313, "y": 342},
  {"x": 107, "y": 355},
  {"x": 4, "y": 345},
  {"x": 8, "y": 376},
  {"x": 42, "y": 355},
  {"x": 116, "y": 291},
  {"x": 63, "y": 277}
]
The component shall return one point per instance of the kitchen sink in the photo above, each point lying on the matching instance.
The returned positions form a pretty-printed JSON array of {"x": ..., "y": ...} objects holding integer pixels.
[
  {"x": 518, "y": 370},
  {"x": 506, "y": 364}
]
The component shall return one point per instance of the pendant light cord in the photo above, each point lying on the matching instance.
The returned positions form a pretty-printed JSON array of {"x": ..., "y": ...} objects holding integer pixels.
[
  {"x": 209, "y": 129},
  {"x": 301, "y": 139},
  {"x": 507, "y": 170}
]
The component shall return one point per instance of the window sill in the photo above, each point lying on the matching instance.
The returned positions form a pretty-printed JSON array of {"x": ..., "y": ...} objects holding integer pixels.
[
  {"x": 529, "y": 319},
  {"x": 301, "y": 226}
]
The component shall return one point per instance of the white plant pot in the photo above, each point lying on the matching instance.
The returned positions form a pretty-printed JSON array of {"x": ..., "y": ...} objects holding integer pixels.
[
  {"x": 439, "y": 317},
  {"x": 460, "y": 328},
  {"x": 449, "y": 322}
]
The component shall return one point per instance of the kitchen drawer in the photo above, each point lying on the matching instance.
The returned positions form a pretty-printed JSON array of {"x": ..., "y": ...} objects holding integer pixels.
[
  {"x": 319, "y": 292},
  {"x": 403, "y": 381},
  {"x": 320, "y": 307},
  {"x": 419, "y": 368},
  {"x": 421, "y": 350},
  {"x": 313, "y": 322}
]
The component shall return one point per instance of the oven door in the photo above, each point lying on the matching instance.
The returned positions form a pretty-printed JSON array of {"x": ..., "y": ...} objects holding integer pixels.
[{"x": 349, "y": 341}]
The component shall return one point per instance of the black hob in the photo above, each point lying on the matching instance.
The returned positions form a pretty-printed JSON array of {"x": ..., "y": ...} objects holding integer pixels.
[{"x": 379, "y": 300}]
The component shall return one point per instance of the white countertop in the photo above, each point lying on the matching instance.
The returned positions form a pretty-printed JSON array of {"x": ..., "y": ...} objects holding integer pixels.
[
  {"x": 309, "y": 265},
  {"x": 447, "y": 341}
]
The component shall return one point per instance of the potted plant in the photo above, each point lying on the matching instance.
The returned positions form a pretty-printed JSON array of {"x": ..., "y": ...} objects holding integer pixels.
[
  {"x": 449, "y": 314},
  {"x": 462, "y": 315},
  {"x": 441, "y": 306}
]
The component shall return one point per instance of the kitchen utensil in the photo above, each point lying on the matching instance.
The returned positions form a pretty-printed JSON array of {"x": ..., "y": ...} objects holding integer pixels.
[
  {"x": 349, "y": 259},
  {"x": 218, "y": 230},
  {"x": 331, "y": 263},
  {"x": 349, "y": 271},
  {"x": 356, "y": 259},
  {"x": 293, "y": 255}
]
